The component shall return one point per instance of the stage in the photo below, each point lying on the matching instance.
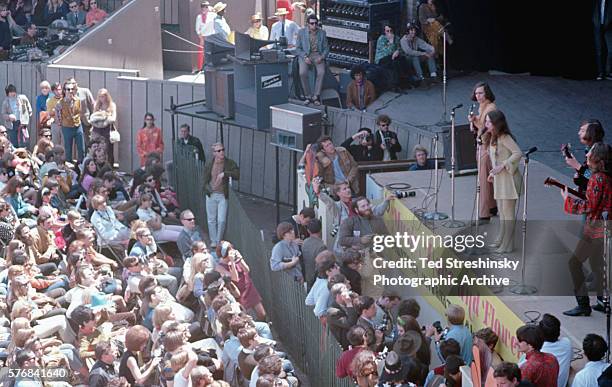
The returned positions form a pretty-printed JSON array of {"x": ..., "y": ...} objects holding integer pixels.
[{"x": 551, "y": 238}]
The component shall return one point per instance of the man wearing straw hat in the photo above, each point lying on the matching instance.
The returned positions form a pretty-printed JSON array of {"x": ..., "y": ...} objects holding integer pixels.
[
  {"x": 257, "y": 30},
  {"x": 204, "y": 26},
  {"x": 221, "y": 26},
  {"x": 284, "y": 28}
]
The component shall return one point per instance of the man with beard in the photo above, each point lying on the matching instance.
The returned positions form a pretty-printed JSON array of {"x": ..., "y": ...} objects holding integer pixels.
[
  {"x": 22, "y": 233},
  {"x": 358, "y": 231}
]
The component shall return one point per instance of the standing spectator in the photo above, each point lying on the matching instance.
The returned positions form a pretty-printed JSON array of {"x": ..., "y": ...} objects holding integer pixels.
[
  {"x": 87, "y": 106},
  {"x": 455, "y": 315},
  {"x": 220, "y": 24},
  {"x": 432, "y": 24},
  {"x": 311, "y": 49},
  {"x": 352, "y": 262},
  {"x": 16, "y": 112},
  {"x": 55, "y": 9},
  {"x": 204, "y": 26},
  {"x": 312, "y": 246},
  {"x": 188, "y": 144},
  {"x": 541, "y": 369},
  {"x": 417, "y": 51},
  {"x": 594, "y": 347},
  {"x": 361, "y": 146},
  {"x": 286, "y": 253},
  {"x": 76, "y": 17},
  {"x": 319, "y": 294},
  {"x": 388, "y": 55},
  {"x": 336, "y": 165},
  {"x": 602, "y": 22},
  {"x": 41, "y": 103},
  {"x": 422, "y": 162},
  {"x": 360, "y": 93},
  {"x": 561, "y": 348},
  {"x": 218, "y": 173},
  {"x": 95, "y": 14},
  {"x": 68, "y": 111},
  {"x": 6, "y": 35},
  {"x": 149, "y": 139},
  {"x": 18, "y": 12},
  {"x": 232, "y": 265},
  {"x": 104, "y": 119},
  {"x": 341, "y": 318},
  {"x": 55, "y": 122},
  {"x": 257, "y": 30},
  {"x": 386, "y": 139},
  {"x": 284, "y": 28},
  {"x": 366, "y": 308}
]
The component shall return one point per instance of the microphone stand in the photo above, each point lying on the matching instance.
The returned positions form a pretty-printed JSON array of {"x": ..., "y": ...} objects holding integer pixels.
[
  {"x": 475, "y": 250},
  {"x": 435, "y": 215},
  {"x": 522, "y": 288},
  {"x": 606, "y": 276},
  {"x": 452, "y": 223},
  {"x": 443, "y": 120}
]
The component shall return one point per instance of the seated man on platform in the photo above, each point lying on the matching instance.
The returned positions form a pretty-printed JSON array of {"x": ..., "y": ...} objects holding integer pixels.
[
  {"x": 422, "y": 162},
  {"x": 311, "y": 49},
  {"x": 417, "y": 51},
  {"x": 336, "y": 165},
  {"x": 284, "y": 28},
  {"x": 360, "y": 93},
  {"x": 361, "y": 146}
]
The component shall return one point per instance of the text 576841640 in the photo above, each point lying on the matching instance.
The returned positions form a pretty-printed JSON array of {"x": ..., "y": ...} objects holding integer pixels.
[{"x": 47, "y": 374}]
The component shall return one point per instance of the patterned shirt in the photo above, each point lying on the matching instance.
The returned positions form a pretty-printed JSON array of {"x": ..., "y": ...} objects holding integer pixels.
[
  {"x": 541, "y": 369},
  {"x": 149, "y": 140},
  {"x": 598, "y": 200}
]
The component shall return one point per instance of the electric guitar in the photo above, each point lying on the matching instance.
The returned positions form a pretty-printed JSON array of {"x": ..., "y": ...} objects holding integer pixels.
[{"x": 552, "y": 182}]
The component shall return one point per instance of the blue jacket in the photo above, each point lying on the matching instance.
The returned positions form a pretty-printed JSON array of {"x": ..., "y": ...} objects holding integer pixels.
[{"x": 302, "y": 45}]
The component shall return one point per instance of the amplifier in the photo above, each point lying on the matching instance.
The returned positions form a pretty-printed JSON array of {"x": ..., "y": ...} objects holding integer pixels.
[
  {"x": 295, "y": 126},
  {"x": 352, "y": 27},
  {"x": 465, "y": 149}
]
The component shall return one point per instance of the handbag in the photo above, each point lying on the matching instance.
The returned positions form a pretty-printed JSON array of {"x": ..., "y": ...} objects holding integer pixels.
[{"x": 114, "y": 135}]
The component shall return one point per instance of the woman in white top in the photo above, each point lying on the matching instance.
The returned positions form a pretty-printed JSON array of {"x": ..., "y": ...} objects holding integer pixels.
[{"x": 161, "y": 232}]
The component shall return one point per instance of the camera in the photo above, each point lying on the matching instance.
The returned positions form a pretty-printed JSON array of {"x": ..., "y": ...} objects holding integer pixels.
[
  {"x": 438, "y": 326},
  {"x": 334, "y": 230},
  {"x": 404, "y": 194}
]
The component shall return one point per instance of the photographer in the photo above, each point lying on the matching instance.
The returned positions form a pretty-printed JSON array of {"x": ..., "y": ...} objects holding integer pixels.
[
  {"x": 385, "y": 139},
  {"x": 456, "y": 330},
  {"x": 286, "y": 253},
  {"x": 358, "y": 231},
  {"x": 341, "y": 314},
  {"x": 361, "y": 146}
]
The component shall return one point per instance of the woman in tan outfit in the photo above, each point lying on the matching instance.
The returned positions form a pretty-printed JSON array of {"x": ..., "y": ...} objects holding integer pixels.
[
  {"x": 484, "y": 96},
  {"x": 507, "y": 183}
]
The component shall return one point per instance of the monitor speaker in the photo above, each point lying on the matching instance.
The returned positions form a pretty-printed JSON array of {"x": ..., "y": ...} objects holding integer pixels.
[{"x": 465, "y": 149}]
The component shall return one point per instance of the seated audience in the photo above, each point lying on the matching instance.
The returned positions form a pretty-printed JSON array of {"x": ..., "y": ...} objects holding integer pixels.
[
  {"x": 418, "y": 51},
  {"x": 360, "y": 93}
]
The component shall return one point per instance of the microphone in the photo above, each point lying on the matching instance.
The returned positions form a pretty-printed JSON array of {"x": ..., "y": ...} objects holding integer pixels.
[
  {"x": 531, "y": 150},
  {"x": 458, "y": 107}
]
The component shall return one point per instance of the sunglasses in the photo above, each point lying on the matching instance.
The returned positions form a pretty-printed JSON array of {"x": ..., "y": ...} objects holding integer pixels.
[
  {"x": 312, "y": 23},
  {"x": 47, "y": 135},
  {"x": 189, "y": 219},
  {"x": 220, "y": 150},
  {"x": 150, "y": 180}
]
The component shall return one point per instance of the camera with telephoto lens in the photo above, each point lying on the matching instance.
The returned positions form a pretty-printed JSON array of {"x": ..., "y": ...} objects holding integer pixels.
[{"x": 404, "y": 194}]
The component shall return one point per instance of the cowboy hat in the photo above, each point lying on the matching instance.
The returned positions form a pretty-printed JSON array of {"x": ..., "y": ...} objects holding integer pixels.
[
  {"x": 220, "y": 6},
  {"x": 256, "y": 17},
  {"x": 281, "y": 12}
]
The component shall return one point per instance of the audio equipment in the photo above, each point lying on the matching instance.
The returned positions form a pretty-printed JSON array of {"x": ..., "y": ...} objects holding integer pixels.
[{"x": 465, "y": 153}]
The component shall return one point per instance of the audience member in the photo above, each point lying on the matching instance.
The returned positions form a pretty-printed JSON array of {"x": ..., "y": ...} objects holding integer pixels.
[
  {"x": 595, "y": 348},
  {"x": 422, "y": 162},
  {"x": 541, "y": 369},
  {"x": 360, "y": 93}
]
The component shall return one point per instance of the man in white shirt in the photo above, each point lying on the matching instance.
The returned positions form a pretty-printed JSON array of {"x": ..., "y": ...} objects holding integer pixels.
[
  {"x": 204, "y": 26},
  {"x": 284, "y": 28},
  {"x": 561, "y": 348},
  {"x": 319, "y": 293},
  {"x": 594, "y": 347}
]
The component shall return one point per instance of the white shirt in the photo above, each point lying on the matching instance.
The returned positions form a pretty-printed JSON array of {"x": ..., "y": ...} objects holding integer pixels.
[
  {"x": 587, "y": 377},
  {"x": 562, "y": 350},
  {"x": 291, "y": 31},
  {"x": 205, "y": 28},
  {"x": 221, "y": 27},
  {"x": 319, "y": 297},
  {"x": 180, "y": 381}
]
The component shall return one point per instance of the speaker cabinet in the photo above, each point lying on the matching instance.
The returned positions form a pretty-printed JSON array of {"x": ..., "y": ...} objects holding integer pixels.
[{"x": 465, "y": 149}]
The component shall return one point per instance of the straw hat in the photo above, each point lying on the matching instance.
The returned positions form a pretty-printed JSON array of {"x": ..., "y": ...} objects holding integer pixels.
[
  {"x": 255, "y": 17},
  {"x": 220, "y": 6},
  {"x": 281, "y": 12}
]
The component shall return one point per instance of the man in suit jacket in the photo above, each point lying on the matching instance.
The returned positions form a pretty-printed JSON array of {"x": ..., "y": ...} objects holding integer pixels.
[
  {"x": 366, "y": 307},
  {"x": 602, "y": 21},
  {"x": 76, "y": 17},
  {"x": 311, "y": 49},
  {"x": 341, "y": 314}
]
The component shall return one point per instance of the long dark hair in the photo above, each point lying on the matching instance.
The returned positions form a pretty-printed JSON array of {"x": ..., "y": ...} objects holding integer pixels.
[
  {"x": 147, "y": 114},
  {"x": 594, "y": 131},
  {"x": 487, "y": 90},
  {"x": 500, "y": 125},
  {"x": 602, "y": 153}
]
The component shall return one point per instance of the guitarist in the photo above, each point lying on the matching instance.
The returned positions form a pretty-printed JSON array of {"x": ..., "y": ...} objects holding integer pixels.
[
  {"x": 591, "y": 131},
  {"x": 483, "y": 94},
  {"x": 598, "y": 200}
]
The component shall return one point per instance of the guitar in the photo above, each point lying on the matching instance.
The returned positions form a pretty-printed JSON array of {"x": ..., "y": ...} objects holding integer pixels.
[
  {"x": 470, "y": 115},
  {"x": 552, "y": 182}
]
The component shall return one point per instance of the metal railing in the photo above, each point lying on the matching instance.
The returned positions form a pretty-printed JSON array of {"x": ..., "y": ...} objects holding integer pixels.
[{"x": 313, "y": 349}]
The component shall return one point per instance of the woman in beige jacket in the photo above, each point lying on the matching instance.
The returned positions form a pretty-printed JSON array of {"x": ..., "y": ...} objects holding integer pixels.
[{"x": 507, "y": 182}]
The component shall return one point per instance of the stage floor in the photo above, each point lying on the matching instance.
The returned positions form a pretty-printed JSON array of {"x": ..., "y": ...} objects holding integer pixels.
[
  {"x": 551, "y": 238},
  {"x": 541, "y": 111}
]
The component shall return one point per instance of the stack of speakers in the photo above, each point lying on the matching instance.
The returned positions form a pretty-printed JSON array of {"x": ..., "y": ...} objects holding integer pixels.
[{"x": 352, "y": 27}]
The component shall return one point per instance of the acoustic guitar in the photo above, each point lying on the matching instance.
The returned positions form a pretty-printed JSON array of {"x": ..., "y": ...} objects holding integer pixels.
[{"x": 552, "y": 182}]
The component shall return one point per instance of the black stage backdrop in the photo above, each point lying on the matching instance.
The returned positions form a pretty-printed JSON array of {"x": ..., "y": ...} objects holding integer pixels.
[{"x": 543, "y": 37}]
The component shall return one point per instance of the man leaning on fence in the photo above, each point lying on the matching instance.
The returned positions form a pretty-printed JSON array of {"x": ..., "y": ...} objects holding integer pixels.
[{"x": 218, "y": 173}]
